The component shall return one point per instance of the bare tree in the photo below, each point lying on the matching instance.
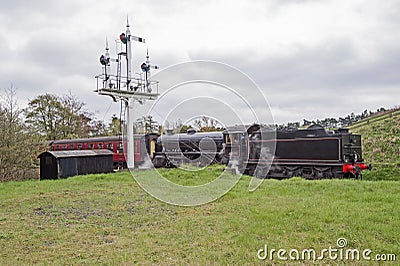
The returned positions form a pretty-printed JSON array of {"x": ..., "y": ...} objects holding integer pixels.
[
  {"x": 207, "y": 124},
  {"x": 19, "y": 146}
]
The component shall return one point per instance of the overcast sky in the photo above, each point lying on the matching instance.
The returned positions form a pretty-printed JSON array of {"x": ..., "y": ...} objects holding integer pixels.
[{"x": 312, "y": 59}]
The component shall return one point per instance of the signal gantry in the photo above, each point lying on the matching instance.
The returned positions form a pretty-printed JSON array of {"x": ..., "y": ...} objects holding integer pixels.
[{"x": 127, "y": 88}]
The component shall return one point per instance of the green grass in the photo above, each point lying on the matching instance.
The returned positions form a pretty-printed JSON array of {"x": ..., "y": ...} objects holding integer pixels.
[
  {"x": 191, "y": 175},
  {"x": 109, "y": 220},
  {"x": 383, "y": 172}
]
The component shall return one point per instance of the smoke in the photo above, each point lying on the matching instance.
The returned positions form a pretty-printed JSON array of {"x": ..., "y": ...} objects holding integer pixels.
[
  {"x": 234, "y": 165},
  {"x": 263, "y": 166},
  {"x": 147, "y": 164}
]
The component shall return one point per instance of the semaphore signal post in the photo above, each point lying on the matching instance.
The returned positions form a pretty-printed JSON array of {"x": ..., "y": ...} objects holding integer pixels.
[{"x": 127, "y": 88}]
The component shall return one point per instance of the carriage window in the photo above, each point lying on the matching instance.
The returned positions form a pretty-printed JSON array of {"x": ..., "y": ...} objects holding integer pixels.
[
  {"x": 137, "y": 146},
  {"x": 100, "y": 146},
  {"x": 91, "y": 146},
  {"x": 110, "y": 146},
  {"x": 64, "y": 147},
  {"x": 120, "y": 147},
  {"x": 79, "y": 146},
  {"x": 71, "y": 147}
]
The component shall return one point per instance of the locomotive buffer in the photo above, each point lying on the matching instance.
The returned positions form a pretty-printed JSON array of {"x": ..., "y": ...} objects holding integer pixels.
[{"x": 128, "y": 89}]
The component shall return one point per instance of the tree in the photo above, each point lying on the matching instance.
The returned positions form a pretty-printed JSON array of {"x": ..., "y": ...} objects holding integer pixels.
[
  {"x": 185, "y": 128},
  {"x": 206, "y": 124},
  {"x": 43, "y": 114},
  {"x": 114, "y": 128},
  {"x": 98, "y": 128},
  {"x": 57, "y": 117},
  {"x": 177, "y": 127},
  {"x": 306, "y": 122},
  {"x": 146, "y": 124},
  {"x": 75, "y": 122},
  {"x": 20, "y": 145}
]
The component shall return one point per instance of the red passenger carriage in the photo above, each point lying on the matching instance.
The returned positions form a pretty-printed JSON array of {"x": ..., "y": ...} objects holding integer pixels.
[{"x": 144, "y": 146}]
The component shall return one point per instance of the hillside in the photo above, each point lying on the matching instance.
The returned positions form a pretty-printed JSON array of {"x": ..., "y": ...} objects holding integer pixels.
[{"x": 381, "y": 137}]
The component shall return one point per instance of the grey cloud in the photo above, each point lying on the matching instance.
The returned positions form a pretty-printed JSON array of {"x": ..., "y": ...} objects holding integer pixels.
[
  {"x": 60, "y": 55},
  {"x": 331, "y": 77},
  {"x": 336, "y": 75}
]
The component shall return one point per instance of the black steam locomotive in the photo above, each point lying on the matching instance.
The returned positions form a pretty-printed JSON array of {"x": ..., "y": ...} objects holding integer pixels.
[
  {"x": 201, "y": 148},
  {"x": 312, "y": 153}
]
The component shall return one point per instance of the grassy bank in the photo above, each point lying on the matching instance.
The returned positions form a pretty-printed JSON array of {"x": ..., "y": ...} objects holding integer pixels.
[
  {"x": 108, "y": 219},
  {"x": 380, "y": 137}
]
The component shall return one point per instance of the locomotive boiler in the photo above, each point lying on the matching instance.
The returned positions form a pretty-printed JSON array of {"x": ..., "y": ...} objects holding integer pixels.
[{"x": 201, "y": 148}]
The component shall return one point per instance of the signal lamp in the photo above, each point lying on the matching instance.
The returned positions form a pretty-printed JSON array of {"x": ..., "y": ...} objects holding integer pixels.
[
  {"x": 123, "y": 38},
  {"x": 144, "y": 67},
  {"x": 104, "y": 61}
]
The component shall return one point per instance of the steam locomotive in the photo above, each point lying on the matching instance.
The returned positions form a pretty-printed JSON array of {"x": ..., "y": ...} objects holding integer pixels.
[{"x": 202, "y": 148}]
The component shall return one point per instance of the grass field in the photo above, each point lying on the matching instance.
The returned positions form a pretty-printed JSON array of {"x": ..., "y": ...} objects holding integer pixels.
[{"x": 109, "y": 220}]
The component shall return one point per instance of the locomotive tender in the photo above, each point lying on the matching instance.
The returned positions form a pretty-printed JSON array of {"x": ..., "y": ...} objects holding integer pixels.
[{"x": 312, "y": 153}]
